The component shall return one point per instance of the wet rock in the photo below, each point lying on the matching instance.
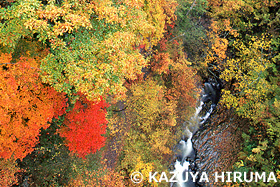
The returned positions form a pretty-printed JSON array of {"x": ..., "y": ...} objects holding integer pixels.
[{"x": 217, "y": 144}]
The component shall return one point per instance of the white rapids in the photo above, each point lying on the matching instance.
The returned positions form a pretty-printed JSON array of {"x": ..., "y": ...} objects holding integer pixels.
[{"x": 182, "y": 168}]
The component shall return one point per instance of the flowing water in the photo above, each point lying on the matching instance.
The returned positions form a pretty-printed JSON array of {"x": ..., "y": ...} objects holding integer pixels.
[{"x": 185, "y": 163}]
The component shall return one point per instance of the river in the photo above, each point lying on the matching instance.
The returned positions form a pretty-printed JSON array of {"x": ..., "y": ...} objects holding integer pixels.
[{"x": 185, "y": 164}]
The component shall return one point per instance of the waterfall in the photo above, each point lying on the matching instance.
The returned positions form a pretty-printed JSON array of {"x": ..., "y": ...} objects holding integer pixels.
[
  {"x": 187, "y": 153},
  {"x": 186, "y": 146}
]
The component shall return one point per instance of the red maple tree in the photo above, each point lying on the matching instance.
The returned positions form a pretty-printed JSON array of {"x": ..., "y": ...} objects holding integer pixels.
[{"x": 84, "y": 126}]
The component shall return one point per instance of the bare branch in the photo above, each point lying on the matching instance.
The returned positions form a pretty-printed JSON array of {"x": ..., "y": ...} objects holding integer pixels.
[
  {"x": 176, "y": 37},
  {"x": 6, "y": 63},
  {"x": 191, "y": 7}
]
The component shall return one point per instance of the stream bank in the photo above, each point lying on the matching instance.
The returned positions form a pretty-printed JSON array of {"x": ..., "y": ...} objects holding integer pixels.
[{"x": 217, "y": 144}]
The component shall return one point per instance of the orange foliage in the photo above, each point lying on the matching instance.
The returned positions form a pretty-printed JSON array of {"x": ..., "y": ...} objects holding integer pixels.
[
  {"x": 112, "y": 178},
  {"x": 26, "y": 105},
  {"x": 161, "y": 64},
  {"x": 171, "y": 63},
  {"x": 100, "y": 178},
  {"x": 183, "y": 78}
]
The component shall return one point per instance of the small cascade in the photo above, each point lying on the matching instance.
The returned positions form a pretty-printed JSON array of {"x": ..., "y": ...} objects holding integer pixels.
[
  {"x": 207, "y": 115},
  {"x": 186, "y": 158},
  {"x": 186, "y": 146}
]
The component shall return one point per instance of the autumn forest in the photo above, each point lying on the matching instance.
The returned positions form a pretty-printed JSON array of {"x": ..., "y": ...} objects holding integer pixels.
[{"x": 94, "y": 90}]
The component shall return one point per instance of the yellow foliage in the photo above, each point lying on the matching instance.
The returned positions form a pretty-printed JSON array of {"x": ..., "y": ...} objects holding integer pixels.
[
  {"x": 248, "y": 69},
  {"x": 144, "y": 168}
]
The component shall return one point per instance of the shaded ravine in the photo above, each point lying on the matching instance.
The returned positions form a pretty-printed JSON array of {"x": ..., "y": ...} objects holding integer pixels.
[
  {"x": 115, "y": 142},
  {"x": 186, "y": 154}
]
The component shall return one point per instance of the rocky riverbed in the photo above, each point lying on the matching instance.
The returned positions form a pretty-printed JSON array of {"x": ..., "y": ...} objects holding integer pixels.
[{"x": 217, "y": 144}]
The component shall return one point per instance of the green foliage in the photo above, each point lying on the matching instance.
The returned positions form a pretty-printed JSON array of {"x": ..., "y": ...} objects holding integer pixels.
[
  {"x": 246, "y": 16},
  {"x": 258, "y": 155},
  {"x": 189, "y": 27},
  {"x": 50, "y": 162},
  {"x": 93, "y": 45}
]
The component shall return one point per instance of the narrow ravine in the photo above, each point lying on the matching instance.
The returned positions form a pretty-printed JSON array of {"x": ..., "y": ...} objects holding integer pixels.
[{"x": 185, "y": 164}]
